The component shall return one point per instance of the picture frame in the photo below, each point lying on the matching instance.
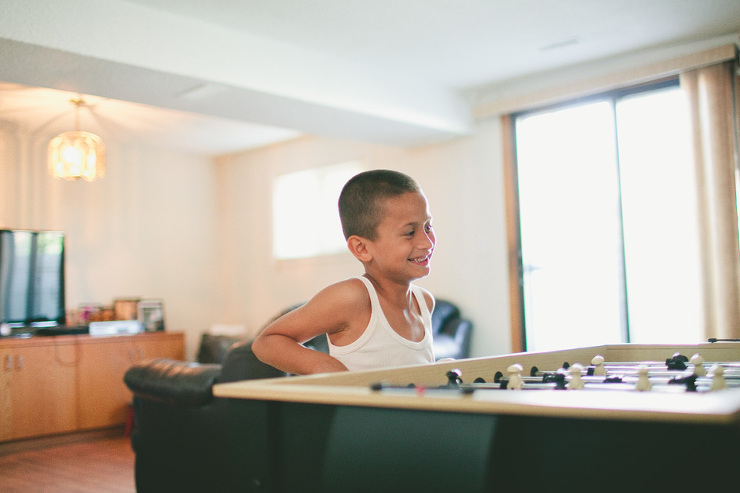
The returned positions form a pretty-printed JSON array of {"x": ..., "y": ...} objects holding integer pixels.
[
  {"x": 125, "y": 308},
  {"x": 151, "y": 315}
]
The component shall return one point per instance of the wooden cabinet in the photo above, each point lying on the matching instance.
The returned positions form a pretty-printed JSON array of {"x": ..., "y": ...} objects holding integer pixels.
[
  {"x": 38, "y": 389},
  {"x": 51, "y": 385},
  {"x": 103, "y": 397},
  {"x": 6, "y": 360}
]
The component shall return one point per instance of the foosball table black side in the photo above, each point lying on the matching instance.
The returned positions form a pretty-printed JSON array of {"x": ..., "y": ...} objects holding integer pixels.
[
  {"x": 345, "y": 433},
  {"x": 303, "y": 447}
]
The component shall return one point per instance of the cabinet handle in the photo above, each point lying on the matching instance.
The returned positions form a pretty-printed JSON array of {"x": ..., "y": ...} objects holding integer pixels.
[
  {"x": 8, "y": 362},
  {"x": 131, "y": 354},
  {"x": 19, "y": 362}
]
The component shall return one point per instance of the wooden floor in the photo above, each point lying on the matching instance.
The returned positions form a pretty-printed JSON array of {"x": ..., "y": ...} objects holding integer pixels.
[{"x": 105, "y": 465}]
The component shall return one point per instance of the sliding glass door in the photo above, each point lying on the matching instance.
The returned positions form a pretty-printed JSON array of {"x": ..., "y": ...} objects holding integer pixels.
[{"x": 606, "y": 221}]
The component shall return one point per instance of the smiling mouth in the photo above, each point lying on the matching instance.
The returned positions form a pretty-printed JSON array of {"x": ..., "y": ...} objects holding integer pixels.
[{"x": 420, "y": 260}]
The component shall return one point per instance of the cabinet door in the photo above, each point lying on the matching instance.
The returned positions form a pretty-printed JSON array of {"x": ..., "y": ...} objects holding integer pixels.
[
  {"x": 161, "y": 347},
  {"x": 104, "y": 398},
  {"x": 6, "y": 410},
  {"x": 42, "y": 391}
]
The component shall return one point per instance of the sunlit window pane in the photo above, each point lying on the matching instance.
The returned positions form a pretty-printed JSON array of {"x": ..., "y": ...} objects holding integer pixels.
[
  {"x": 305, "y": 215},
  {"x": 569, "y": 227},
  {"x": 660, "y": 224}
]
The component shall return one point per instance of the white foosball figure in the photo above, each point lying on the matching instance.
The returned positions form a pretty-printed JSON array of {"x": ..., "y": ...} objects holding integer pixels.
[
  {"x": 698, "y": 363},
  {"x": 515, "y": 377},
  {"x": 576, "y": 382},
  {"x": 718, "y": 378},
  {"x": 598, "y": 363},
  {"x": 643, "y": 382}
]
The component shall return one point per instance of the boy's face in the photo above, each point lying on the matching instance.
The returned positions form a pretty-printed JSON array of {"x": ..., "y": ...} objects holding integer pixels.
[{"x": 405, "y": 239}]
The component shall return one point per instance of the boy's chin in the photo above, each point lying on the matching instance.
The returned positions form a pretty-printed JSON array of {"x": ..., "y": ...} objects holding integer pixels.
[{"x": 421, "y": 271}]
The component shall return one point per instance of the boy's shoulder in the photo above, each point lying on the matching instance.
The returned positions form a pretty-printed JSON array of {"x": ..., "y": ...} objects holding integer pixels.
[
  {"x": 348, "y": 291},
  {"x": 338, "y": 306}
]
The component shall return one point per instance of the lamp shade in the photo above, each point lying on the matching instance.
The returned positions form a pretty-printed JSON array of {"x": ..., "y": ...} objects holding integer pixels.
[{"x": 74, "y": 155}]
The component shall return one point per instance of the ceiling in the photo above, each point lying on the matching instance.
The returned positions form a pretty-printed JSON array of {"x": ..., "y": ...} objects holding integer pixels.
[{"x": 221, "y": 76}]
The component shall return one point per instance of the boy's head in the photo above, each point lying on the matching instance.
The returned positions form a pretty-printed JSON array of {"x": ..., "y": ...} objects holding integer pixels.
[{"x": 361, "y": 200}]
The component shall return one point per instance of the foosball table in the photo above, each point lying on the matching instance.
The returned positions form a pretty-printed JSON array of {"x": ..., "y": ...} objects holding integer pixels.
[{"x": 622, "y": 418}]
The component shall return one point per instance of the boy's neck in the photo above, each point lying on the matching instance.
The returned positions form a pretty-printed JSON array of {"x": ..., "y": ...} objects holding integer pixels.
[{"x": 396, "y": 293}]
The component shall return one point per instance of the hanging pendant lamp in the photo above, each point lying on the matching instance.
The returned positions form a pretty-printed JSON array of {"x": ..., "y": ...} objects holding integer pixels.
[{"x": 74, "y": 155}]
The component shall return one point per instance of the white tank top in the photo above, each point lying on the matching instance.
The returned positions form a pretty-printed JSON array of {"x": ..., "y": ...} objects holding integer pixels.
[{"x": 380, "y": 346}]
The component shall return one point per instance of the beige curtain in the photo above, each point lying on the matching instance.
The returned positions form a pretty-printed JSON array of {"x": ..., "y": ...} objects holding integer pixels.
[{"x": 711, "y": 94}]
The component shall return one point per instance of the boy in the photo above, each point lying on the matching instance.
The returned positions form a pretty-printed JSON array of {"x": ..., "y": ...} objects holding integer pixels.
[{"x": 376, "y": 320}]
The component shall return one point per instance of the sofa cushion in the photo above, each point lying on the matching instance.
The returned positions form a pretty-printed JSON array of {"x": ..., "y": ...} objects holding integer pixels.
[{"x": 213, "y": 348}]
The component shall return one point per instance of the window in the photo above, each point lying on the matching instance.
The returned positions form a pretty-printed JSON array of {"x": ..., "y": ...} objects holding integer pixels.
[
  {"x": 607, "y": 221},
  {"x": 305, "y": 215}
]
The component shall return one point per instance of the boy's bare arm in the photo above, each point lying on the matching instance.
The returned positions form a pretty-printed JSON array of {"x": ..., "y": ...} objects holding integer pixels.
[
  {"x": 288, "y": 355},
  {"x": 332, "y": 310}
]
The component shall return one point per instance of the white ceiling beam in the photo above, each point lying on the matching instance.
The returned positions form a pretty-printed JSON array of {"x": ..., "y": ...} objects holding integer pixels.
[{"x": 127, "y": 51}]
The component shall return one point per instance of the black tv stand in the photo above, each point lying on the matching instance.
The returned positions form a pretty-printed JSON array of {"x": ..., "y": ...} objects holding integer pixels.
[{"x": 62, "y": 330}]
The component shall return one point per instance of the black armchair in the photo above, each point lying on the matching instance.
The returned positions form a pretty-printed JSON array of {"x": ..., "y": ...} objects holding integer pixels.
[{"x": 451, "y": 331}]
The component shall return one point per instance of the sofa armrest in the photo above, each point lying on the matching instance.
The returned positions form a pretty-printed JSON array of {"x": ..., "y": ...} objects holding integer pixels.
[{"x": 177, "y": 382}]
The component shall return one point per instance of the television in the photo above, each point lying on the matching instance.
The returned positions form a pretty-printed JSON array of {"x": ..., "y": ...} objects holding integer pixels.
[{"x": 32, "y": 278}]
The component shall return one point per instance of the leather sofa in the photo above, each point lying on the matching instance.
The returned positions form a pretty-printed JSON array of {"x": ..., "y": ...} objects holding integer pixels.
[{"x": 185, "y": 439}]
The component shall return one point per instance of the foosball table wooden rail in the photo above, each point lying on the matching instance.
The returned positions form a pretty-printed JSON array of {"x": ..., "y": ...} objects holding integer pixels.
[{"x": 371, "y": 431}]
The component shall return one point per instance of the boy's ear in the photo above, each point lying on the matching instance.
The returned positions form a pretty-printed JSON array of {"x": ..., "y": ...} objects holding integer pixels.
[{"x": 358, "y": 246}]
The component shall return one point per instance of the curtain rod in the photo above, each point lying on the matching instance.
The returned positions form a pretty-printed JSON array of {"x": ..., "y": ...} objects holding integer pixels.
[{"x": 602, "y": 83}]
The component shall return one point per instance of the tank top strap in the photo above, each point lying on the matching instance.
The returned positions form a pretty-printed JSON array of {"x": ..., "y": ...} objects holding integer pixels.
[
  {"x": 426, "y": 315},
  {"x": 374, "y": 300}
]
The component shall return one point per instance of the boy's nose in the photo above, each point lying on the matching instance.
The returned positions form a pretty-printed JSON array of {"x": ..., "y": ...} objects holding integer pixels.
[{"x": 427, "y": 240}]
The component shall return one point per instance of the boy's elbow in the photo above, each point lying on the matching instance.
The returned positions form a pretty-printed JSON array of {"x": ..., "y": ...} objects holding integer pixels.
[
  {"x": 258, "y": 347},
  {"x": 268, "y": 348}
]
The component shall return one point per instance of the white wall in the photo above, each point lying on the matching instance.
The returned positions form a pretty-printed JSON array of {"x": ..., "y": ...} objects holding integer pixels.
[
  {"x": 463, "y": 182},
  {"x": 197, "y": 233},
  {"x": 146, "y": 230}
]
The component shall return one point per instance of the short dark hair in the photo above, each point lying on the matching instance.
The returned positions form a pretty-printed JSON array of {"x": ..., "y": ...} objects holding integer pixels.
[{"x": 360, "y": 209}]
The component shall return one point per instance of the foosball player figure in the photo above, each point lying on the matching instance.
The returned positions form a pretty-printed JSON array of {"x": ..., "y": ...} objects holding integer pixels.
[
  {"x": 643, "y": 382},
  {"x": 718, "y": 378},
  {"x": 576, "y": 383},
  {"x": 598, "y": 366},
  {"x": 515, "y": 377},
  {"x": 698, "y": 363}
]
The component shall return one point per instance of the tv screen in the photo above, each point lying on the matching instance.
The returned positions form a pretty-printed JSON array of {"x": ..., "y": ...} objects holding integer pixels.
[{"x": 32, "y": 278}]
